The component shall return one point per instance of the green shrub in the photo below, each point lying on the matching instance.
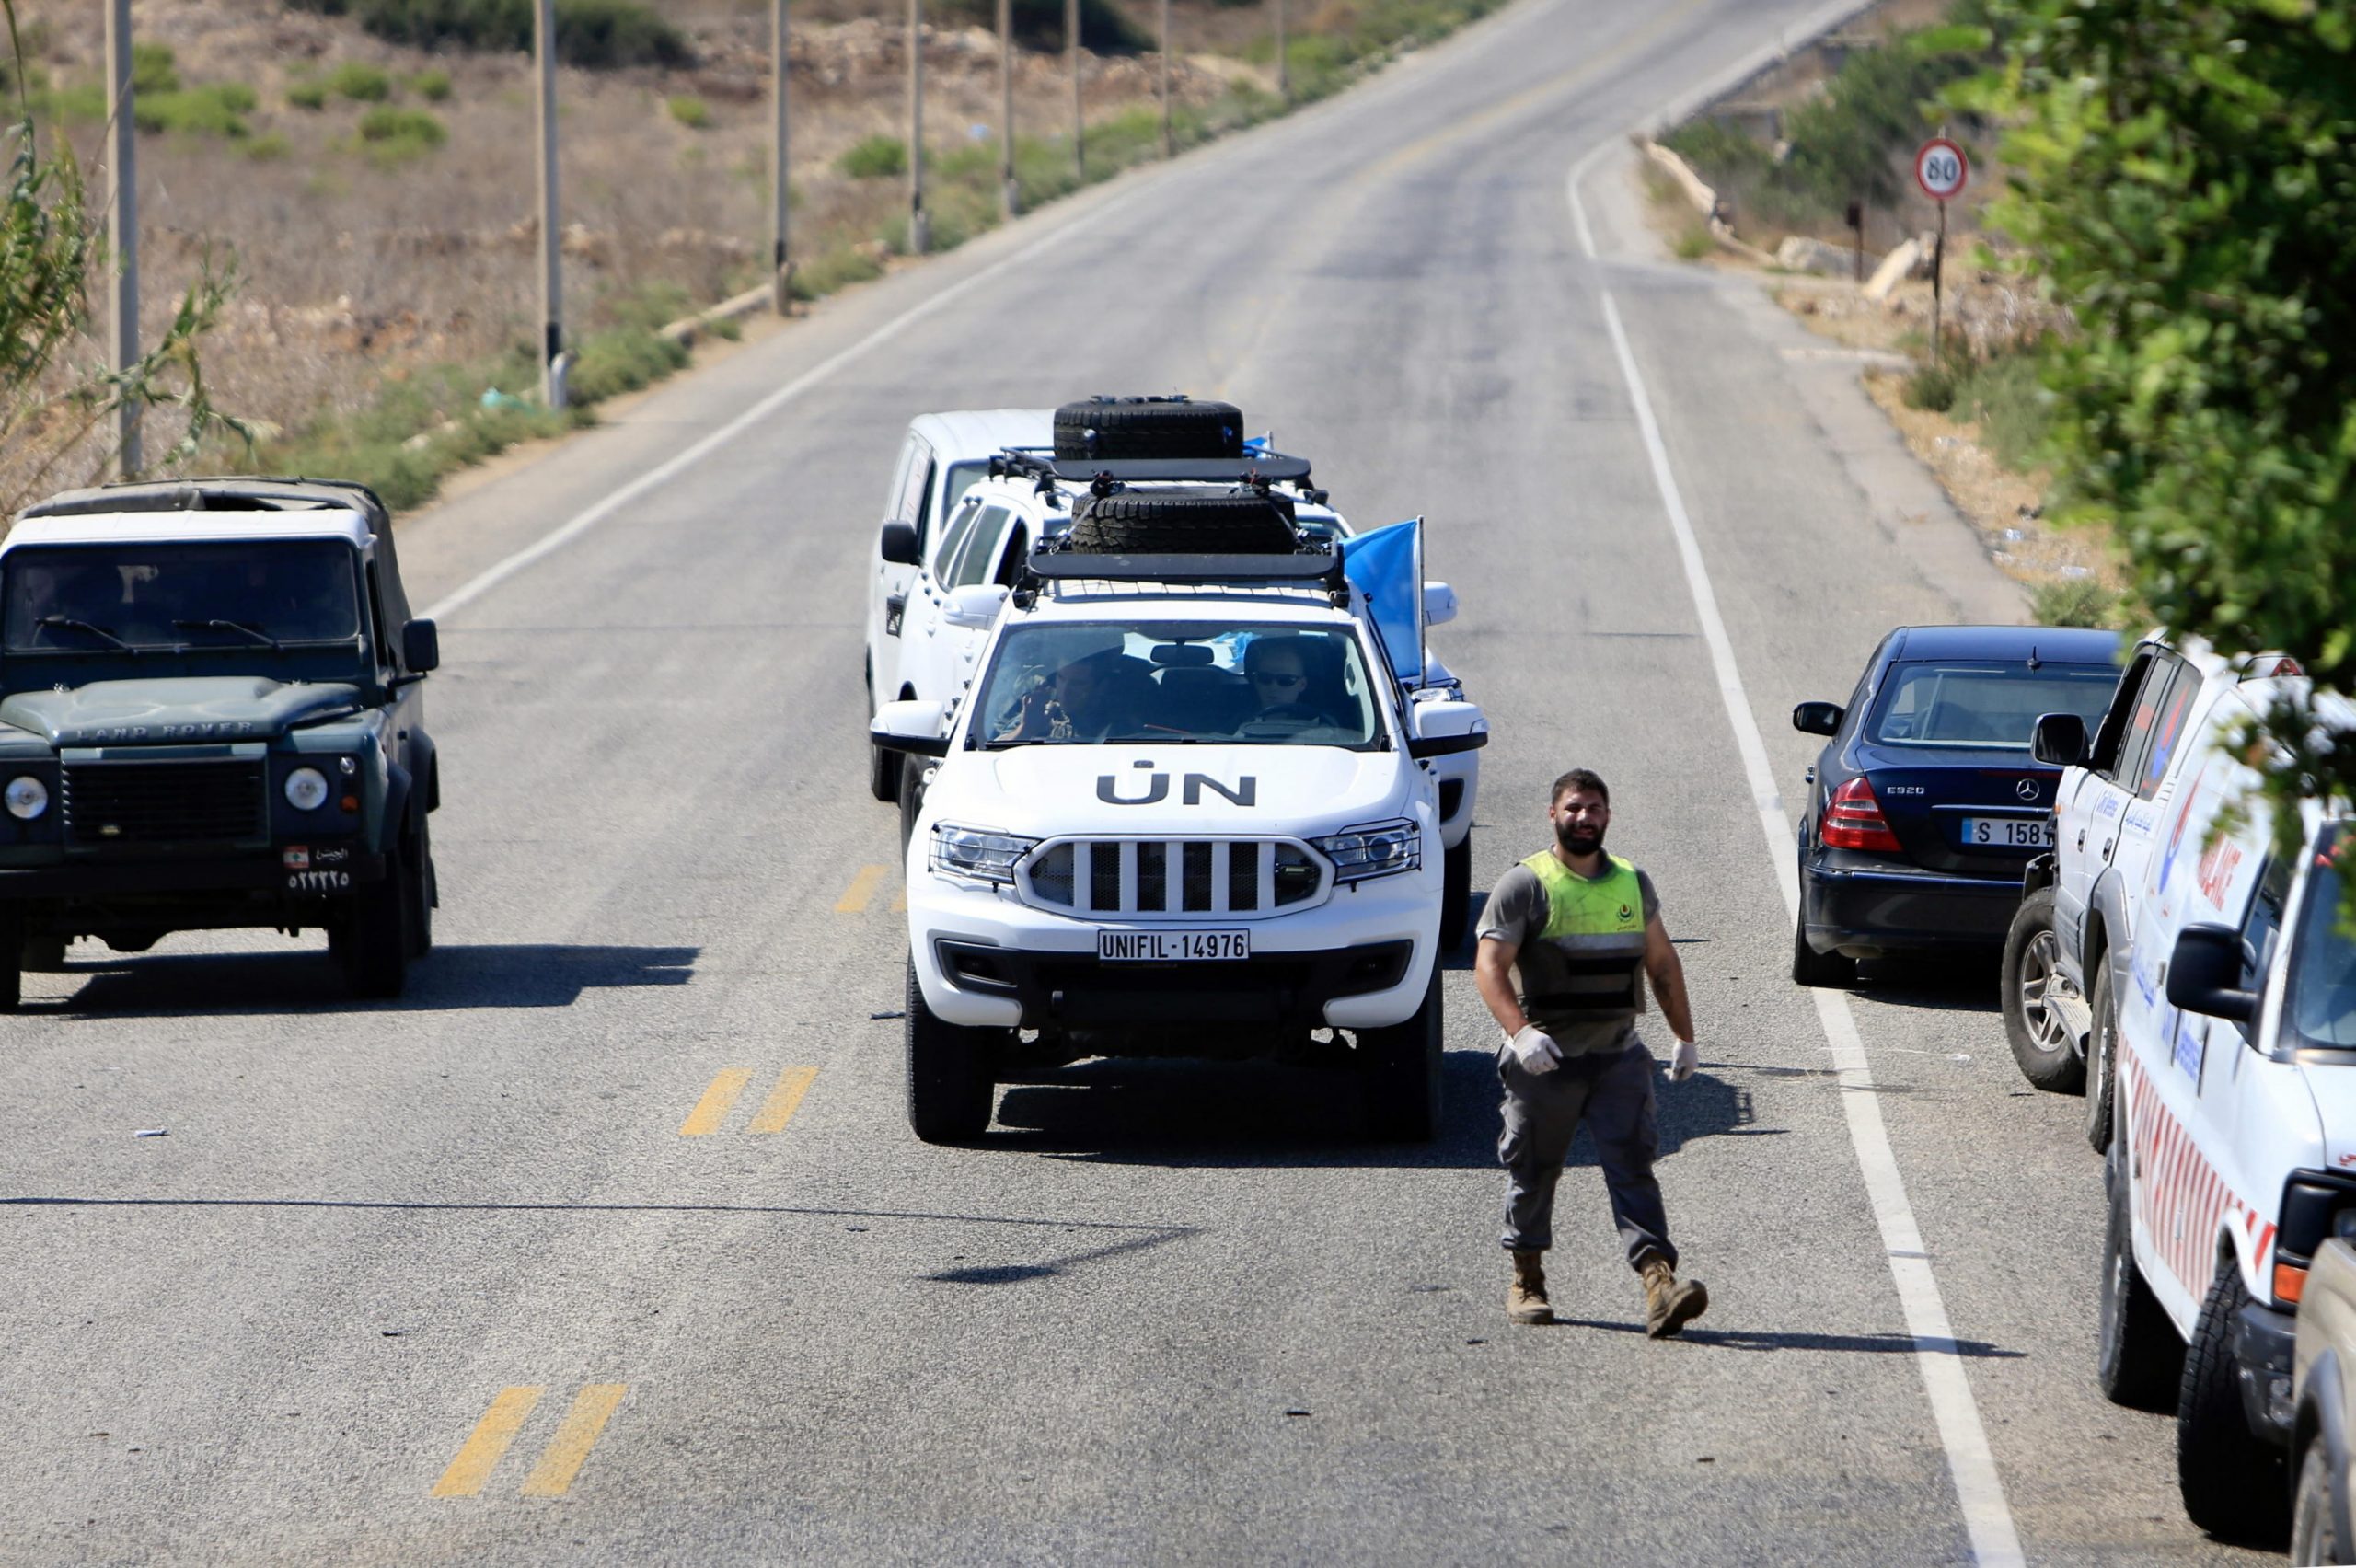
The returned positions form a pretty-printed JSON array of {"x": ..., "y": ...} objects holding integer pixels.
[
  {"x": 392, "y": 136},
  {"x": 2074, "y": 601},
  {"x": 1694, "y": 242},
  {"x": 217, "y": 109},
  {"x": 269, "y": 149},
  {"x": 874, "y": 157},
  {"x": 2010, "y": 404},
  {"x": 308, "y": 95},
  {"x": 153, "y": 69},
  {"x": 590, "y": 33},
  {"x": 432, "y": 85},
  {"x": 1932, "y": 387},
  {"x": 834, "y": 269},
  {"x": 360, "y": 82},
  {"x": 78, "y": 103},
  {"x": 643, "y": 308},
  {"x": 690, "y": 111},
  {"x": 623, "y": 359}
]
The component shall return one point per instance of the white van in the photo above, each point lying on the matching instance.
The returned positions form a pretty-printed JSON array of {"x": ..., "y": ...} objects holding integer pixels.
[{"x": 2230, "y": 1018}]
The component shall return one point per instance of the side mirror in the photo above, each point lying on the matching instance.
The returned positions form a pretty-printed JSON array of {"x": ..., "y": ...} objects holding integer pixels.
[
  {"x": 1439, "y": 604},
  {"x": 2205, "y": 970},
  {"x": 1819, "y": 718},
  {"x": 899, "y": 545},
  {"x": 420, "y": 645},
  {"x": 2058, "y": 740},
  {"x": 910, "y": 727},
  {"x": 974, "y": 606}
]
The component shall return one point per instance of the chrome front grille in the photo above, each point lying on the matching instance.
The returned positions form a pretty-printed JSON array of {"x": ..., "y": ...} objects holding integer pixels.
[
  {"x": 166, "y": 803},
  {"x": 1167, "y": 877}
]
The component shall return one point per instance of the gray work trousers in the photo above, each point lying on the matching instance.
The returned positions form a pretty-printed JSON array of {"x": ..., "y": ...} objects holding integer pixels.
[{"x": 1613, "y": 1094}]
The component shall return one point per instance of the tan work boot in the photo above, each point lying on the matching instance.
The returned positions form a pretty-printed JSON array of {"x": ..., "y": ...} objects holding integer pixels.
[
  {"x": 1526, "y": 1296},
  {"x": 1669, "y": 1306}
]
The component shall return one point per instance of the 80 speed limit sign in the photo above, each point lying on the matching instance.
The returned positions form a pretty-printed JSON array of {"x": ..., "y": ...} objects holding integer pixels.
[{"x": 1940, "y": 170}]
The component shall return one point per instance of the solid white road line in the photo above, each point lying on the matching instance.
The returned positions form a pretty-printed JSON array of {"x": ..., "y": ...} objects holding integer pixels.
[{"x": 1980, "y": 1490}]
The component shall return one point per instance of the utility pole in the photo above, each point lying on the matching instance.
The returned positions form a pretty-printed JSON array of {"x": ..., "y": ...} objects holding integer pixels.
[
  {"x": 919, "y": 222},
  {"x": 1283, "y": 66},
  {"x": 553, "y": 358},
  {"x": 781, "y": 268},
  {"x": 1013, "y": 196},
  {"x": 122, "y": 234},
  {"x": 1169, "y": 138},
  {"x": 1078, "y": 118}
]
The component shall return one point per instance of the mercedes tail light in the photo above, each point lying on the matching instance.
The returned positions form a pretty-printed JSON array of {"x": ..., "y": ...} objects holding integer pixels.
[{"x": 1854, "y": 820}]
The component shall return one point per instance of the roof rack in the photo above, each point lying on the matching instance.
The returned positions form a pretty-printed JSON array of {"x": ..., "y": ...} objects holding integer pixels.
[
  {"x": 1049, "y": 563},
  {"x": 1252, "y": 469}
]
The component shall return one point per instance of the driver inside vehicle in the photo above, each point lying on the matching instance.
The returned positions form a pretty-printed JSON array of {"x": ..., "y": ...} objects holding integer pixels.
[
  {"x": 1278, "y": 671},
  {"x": 1084, "y": 700}
]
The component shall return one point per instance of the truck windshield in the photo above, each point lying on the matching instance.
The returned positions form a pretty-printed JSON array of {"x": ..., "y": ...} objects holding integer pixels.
[
  {"x": 1985, "y": 704},
  {"x": 96, "y": 598},
  {"x": 1225, "y": 683},
  {"x": 2322, "y": 1004}
]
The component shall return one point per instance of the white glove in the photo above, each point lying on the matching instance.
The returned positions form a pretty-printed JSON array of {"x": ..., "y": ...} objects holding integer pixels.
[
  {"x": 1535, "y": 1050},
  {"x": 1685, "y": 1062}
]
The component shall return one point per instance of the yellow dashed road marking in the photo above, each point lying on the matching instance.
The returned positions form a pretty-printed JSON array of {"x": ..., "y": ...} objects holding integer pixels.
[
  {"x": 862, "y": 888},
  {"x": 552, "y": 1476},
  {"x": 482, "y": 1451},
  {"x": 783, "y": 1100},
  {"x": 713, "y": 1108}
]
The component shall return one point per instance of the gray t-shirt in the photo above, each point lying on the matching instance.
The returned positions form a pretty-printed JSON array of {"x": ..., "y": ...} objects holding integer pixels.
[{"x": 1517, "y": 912}]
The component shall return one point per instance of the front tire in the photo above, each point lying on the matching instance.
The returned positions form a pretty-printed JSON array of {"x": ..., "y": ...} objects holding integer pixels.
[
  {"x": 2315, "y": 1516},
  {"x": 2102, "y": 1060},
  {"x": 2040, "y": 1037},
  {"x": 911, "y": 803},
  {"x": 1401, "y": 1065},
  {"x": 2231, "y": 1482},
  {"x": 950, "y": 1084},
  {"x": 2138, "y": 1361},
  {"x": 883, "y": 767},
  {"x": 371, "y": 945},
  {"x": 12, "y": 957},
  {"x": 1456, "y": 894}
]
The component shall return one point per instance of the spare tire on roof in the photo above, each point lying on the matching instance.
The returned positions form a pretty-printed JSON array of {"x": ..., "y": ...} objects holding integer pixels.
[
  {"x": 1148, "y": 427},
  {"x": 1130, "y": 523}
]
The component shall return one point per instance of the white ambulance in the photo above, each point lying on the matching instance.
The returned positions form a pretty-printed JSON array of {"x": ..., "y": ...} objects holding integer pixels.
[{"x": 2230, "y": 1016}]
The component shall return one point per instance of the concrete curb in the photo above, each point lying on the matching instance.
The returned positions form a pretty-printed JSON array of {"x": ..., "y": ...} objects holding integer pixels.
[{"x": 687, "y": 329}]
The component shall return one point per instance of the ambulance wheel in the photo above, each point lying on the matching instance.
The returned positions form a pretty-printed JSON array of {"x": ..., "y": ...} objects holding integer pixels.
[
  {"x": 2032, "y": 977},
  {"x": 1401, "y": 1065},
  {"x": 2102, "y": 1059},
  {"x": 2138, "y": 1359},
  {"x": 1456, "y": 894},
  {"x": 950, "y": 1087},
  {"x": 2232, "y": 1482}
]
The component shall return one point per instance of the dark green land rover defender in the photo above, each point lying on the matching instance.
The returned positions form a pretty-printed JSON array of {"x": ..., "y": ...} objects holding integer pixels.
[{"x": 212, "y": 715}]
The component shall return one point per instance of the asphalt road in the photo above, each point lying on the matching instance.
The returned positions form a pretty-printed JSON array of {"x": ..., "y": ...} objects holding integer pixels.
[{"x": 1166, "y": 1313}]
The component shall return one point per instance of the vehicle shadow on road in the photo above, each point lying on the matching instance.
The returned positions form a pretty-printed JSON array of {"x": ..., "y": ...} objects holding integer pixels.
[
  {"x": 1272, "y": 1115},
  {"x": 1955, "y": 983},
  {"x": 490, "y": 974},
  {"x": 1746, "y": 1338}
]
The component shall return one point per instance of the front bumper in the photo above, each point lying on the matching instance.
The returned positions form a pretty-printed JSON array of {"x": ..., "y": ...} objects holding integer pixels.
[
  {"x": 1880, "y": 907},
  {"x": 234, "y": 878},
  {"x": 2263, "y": 1341},
  {"x": 1361, "y": 959}
]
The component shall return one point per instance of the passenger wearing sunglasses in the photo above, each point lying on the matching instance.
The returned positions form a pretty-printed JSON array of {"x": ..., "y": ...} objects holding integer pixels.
[{"x": 1279, "y": 677}]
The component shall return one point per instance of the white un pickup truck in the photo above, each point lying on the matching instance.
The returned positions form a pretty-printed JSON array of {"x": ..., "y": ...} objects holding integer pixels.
[{"x": 1189, "y": 806}]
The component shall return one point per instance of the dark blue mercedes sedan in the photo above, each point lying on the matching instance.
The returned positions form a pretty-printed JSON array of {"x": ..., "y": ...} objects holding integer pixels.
[{"x": 1925, "y": 807}]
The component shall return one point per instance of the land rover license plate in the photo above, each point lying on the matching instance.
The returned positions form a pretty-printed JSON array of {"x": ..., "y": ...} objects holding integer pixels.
[
  {"x": 2011, "y": 832},
  {"x": 1172, "y": 947}
]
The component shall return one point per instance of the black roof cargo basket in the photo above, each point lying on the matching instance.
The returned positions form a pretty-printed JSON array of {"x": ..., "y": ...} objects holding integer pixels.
[{"x": 1265, "y": 467}]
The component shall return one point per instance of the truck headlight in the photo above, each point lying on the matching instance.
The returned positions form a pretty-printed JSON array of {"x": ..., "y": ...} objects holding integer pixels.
[
  {"x": 977, "y": 853},
  {"x": 307, "y": 788},
  {"x": 26, "y": 797},
  {"x": 1375, "y": 849}
]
